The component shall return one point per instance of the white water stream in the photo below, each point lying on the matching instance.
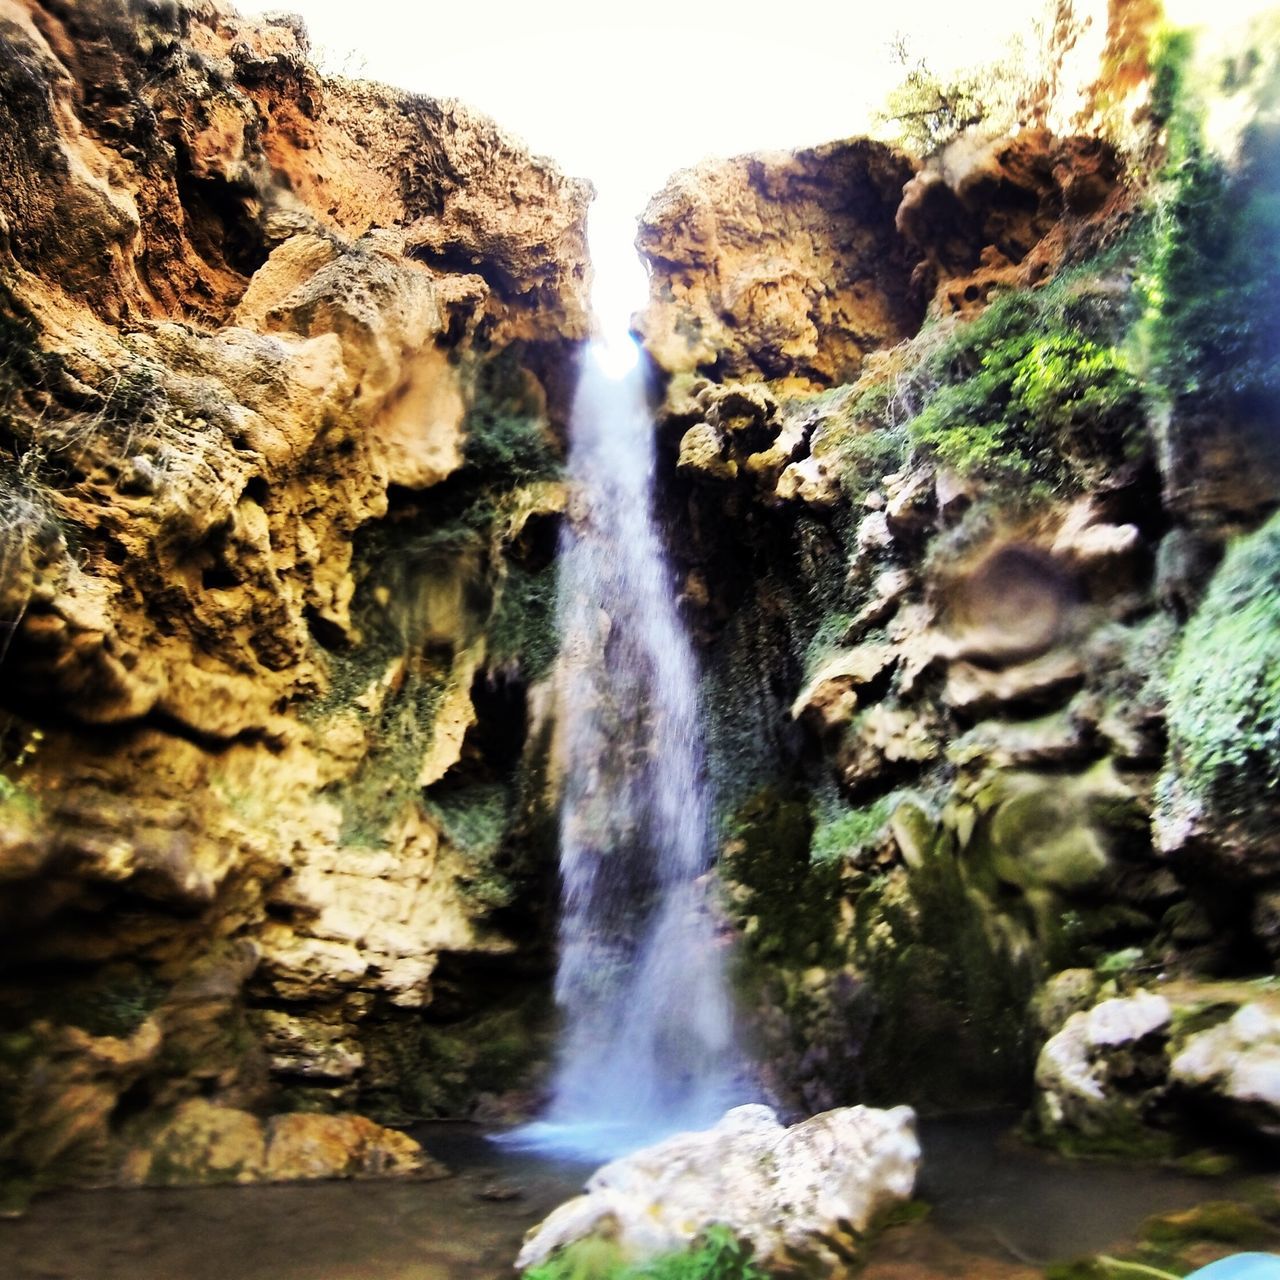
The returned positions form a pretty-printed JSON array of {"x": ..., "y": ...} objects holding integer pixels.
[{"x": 648, "y": 1043}]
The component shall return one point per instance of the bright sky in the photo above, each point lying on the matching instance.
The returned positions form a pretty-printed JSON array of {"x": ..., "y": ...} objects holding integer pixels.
[{"x": 626, "y": 94}]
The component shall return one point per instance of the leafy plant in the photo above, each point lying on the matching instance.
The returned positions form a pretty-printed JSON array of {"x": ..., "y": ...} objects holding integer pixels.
[
  {"x": 716, "y": 1255},
  {"x": 1224, "y": 687},
  {"x": 1041, "y": 407}
]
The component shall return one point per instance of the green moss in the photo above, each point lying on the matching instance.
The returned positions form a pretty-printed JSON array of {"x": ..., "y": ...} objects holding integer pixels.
[
  {"x": 475, "y": 819},
  {"x": 416, "y": 1070},
  {"x": 939, "y": 971},
  {"x": 1224, "y": 690},
  {"x": 522, "y": 631},
  {"x": 115, "y": 1003},
  {"x": 716, "y": 1255},
  {"x": 845, "y": 837},
  {"x": 1219, "y": 1221},
  {"x": 791, "y": 897}
]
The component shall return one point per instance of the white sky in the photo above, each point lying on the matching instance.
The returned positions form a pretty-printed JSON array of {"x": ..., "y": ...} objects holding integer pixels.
[{"x": 626, "y": 94}]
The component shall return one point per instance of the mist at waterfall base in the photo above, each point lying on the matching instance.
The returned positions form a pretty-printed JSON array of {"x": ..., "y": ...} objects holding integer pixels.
[{"x": 648, "y": 1044}]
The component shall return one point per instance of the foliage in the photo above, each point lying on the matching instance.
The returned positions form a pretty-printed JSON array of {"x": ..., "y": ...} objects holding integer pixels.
[
  {"x": 1210, "y": 281},
  {"x": 845, "y": 837},
  {"x": 1224, "y": 687},
  {"x": 1033, "y": 406},
  {"x": 716, "y": 1255},
  {"x": 925, "y": 112},
  {"x": 523, "y": 627}
]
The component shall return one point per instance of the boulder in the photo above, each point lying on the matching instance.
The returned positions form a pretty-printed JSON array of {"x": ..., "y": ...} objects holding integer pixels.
[
  {"x": 1098, "y": 1074},
  {"x": 1237, "y": 1063},
  {"x": 775, "y": 1187}
]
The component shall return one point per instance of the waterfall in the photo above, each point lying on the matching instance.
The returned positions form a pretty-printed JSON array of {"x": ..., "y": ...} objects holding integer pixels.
[{"x": 648, "y": 1044}]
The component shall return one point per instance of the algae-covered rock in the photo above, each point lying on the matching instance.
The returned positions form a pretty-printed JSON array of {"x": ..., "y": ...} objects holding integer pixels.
[{"x": 1098, "y": 1076}]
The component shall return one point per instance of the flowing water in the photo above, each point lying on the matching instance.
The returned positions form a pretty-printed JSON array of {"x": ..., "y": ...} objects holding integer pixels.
[{"x": 648, "y": 1045}]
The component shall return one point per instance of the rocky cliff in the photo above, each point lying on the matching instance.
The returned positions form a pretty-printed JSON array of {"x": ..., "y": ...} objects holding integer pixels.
[
  {"x": 971, "y": 503},
  {"x": 280, "y": 396}
]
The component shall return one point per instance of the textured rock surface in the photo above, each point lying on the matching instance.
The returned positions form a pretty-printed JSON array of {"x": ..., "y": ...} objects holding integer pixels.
[
  {"x": 795, "y": 1191},
  {"x": 778, "y": 266},
  {"x": 792, "y": 267},
  {"x": 283, "y": 370},
  {"x": 1104, "y": 1076},
  {"x": 966, "y": 730}
]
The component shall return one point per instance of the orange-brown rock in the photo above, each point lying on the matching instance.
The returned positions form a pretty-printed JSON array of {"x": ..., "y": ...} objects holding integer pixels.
[
  {"x": 285, "y": 361},
  {"x": 780, "y": 265}
]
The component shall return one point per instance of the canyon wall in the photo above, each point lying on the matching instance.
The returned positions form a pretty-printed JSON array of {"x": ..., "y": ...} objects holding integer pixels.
[
  {"x": 971, "y": 501},
  {"x": 285, "y": 363}
]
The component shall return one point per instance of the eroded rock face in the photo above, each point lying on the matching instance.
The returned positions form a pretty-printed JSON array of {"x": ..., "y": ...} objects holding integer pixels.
[
  {"x": 285, "y": 361},
  {"x": 963, "y": 731},
  {"x": 797, "y": 1191},
  {"x": 780, "y": 265}
]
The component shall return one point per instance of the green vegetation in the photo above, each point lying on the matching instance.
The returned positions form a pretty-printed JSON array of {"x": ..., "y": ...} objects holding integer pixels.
[
  {"x": 1210, "y": 281},
  {"x": 845, "y": 837},
  {"x": 925, "y": 112},
  {"x": 1022, "y": 399},
  {"x": 419, "y": 1070},
  {"x": 716, "y": 1255},
  {"x": 522, "y": 629},
  {"x": 792, "y": 898},
  {"x": 1224, "y": 689}
]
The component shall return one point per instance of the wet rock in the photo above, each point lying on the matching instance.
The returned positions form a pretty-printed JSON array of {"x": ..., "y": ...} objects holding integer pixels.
[
  {"x": 702, "y": 454},
  {"x": 781, "y": 1189},
  {"x": 1100, "y": 1072},
  {"x": 974, "y": 690},
  {"x": 1237, "y": 1066},
  {"x": 831, "y": 696}
]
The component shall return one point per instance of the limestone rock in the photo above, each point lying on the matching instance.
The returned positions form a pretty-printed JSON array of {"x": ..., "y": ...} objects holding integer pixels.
[
  {"x": 1237, "y": 1063},
  {"x": 975, "y": 690},
  {"x": 831, "y": 695},
  {"x": 781, "y": 265},
  {"x": 1102, "y": 1069},
  {"x": 276, "y": 312},
  {"x": 702, "y": 454},
  {"x": 779, "y": 1188},
  {"x": 206, "y": 1143}
]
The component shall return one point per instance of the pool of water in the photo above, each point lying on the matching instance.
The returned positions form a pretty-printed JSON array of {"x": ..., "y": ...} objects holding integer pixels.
[{"x": 999, "y": 1210}]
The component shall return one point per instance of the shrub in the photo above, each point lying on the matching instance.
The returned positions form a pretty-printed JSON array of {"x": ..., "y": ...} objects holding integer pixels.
[
  {"x": 1224, "y": 688},
  {"x": 716, "y": 1255},
  {"x": 1038, "y": 407}
]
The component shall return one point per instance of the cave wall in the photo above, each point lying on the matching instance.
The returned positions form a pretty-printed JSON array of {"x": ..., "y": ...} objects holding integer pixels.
[
  {"x": 992, "y": 731},
  {"x": 281, "y": 404}
]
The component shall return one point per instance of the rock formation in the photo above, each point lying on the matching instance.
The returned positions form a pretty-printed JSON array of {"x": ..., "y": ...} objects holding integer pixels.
[
  {"x": 799, "y": 1196},
  {"x": 284, "y": 364},
  {"x": 953, "y": 451}
]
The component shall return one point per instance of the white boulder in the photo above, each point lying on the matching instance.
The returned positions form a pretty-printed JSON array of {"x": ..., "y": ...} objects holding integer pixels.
[
  {"x": 1237, "y": 1061},
  {"x": 776, "y": 1187}
]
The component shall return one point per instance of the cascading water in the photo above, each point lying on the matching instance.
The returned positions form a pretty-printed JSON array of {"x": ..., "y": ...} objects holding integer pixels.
[{"x": 648, "y": 1046}]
